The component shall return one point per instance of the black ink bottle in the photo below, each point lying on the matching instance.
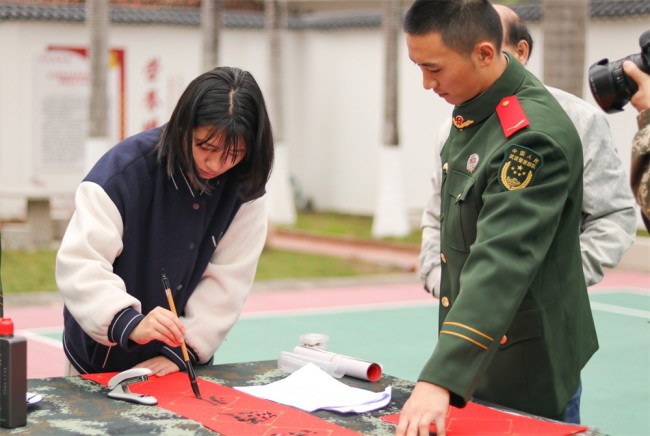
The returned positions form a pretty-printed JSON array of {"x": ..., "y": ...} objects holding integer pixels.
[
  {"x": 13, "y": 376},
  {"x": 13, "y": 371}
]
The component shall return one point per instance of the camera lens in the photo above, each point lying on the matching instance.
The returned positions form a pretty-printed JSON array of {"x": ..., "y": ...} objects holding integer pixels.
[
  {"x": 602, "y": 86},
  {"x": 609, "y": 84}
]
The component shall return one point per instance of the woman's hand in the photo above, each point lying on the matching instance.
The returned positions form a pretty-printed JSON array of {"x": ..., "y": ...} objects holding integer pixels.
[
  {"x": 159, "y": 366},
  {"x": 161, "y": 325}
]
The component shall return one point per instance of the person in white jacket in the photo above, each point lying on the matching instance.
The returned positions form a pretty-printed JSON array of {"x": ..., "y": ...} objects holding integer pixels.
[{"x": 609, "y": 217}]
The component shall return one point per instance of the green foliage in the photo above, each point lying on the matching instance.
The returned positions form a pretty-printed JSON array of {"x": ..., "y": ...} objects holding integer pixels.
[
  {"x": 27, "y": 271},
  {"x": 342, "y": 225},
  {"x": 33, "y": 271},
  {"x": 280, "y": 264}
]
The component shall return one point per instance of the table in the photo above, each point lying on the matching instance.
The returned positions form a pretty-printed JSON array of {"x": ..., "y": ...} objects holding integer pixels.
[{"x": 72, "y": 405}]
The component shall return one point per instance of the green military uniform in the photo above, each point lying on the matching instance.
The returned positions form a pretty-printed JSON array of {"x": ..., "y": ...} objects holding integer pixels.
[{"x": 515, "y": 322}]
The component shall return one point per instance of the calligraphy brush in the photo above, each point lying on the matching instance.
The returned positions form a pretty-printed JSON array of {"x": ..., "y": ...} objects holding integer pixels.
[{"x": 186, "y": 357}]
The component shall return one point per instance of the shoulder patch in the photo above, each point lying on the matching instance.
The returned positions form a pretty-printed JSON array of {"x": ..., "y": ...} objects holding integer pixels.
[
  {"x": 511, "y": 115},
  {"x": 519, "y": 166}
]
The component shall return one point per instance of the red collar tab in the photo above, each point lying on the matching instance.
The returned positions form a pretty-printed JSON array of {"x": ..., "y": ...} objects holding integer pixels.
[{"x": 511, "y": 115}]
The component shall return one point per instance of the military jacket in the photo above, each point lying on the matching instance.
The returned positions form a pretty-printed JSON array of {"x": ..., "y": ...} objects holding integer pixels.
[
  {"x": 640, "y": 168},
  {"x": 515, "y": 322}
]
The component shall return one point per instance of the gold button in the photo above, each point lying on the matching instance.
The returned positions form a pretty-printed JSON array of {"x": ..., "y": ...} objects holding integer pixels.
[
  {"x": 504, "y": 339},
  {"x": 445, "y": 167},
  {"x": 445, "y": 302},
  {"x": 505, "y": 103},
  {"x": 443, "y": 258}
]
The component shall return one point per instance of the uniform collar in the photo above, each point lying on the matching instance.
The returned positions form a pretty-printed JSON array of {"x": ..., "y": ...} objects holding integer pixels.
[{"x": 484, "y": 105}]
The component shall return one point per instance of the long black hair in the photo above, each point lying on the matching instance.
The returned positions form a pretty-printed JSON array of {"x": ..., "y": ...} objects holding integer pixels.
[{"x": 229, "y": 102}]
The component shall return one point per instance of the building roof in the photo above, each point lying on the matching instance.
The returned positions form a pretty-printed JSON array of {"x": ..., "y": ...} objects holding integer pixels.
[
  {"x": 326, "y": 20},
  {"x": 598, "y": 9}
]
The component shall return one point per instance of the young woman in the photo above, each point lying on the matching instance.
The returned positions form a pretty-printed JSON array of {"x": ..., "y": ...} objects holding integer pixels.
[{"x": 187, "y": 198}]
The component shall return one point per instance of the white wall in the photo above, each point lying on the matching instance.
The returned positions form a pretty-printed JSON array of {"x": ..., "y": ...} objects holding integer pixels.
[
  {"x": 334, "y": 112},
  {"x": 613, "y": 40},
  {"x": 605, "y": 39},
  {"x": 333, "y": 100}
]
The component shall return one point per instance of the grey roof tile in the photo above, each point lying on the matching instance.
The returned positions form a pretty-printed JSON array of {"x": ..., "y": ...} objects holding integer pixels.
[{"x": 187, "y": 16}]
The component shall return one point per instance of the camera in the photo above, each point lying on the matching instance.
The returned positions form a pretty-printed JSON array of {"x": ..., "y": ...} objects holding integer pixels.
[{"x": 609, "y": 84}]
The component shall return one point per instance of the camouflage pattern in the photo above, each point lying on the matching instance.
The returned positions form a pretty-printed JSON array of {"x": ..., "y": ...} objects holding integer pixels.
[
  {"x": 640, "y": 171},
  {"x": 74, "y": 406}
]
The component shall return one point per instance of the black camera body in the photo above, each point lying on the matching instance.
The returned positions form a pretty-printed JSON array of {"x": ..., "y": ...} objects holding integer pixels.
[{"x": 609, "y": 84}]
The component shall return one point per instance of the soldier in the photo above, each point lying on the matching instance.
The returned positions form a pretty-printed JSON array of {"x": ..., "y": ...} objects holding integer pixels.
[
  {"x": 515, "y": 322},
  {"x": 609, "y": 219}
]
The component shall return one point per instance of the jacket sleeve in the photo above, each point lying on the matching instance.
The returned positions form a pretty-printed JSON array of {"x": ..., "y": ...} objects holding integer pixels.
[
  {"x": 608, "y": 213},
  {"x": 430, "y": 249},
  {"x": 84, "y": 264},
  {"x": 217, "y": 301}
]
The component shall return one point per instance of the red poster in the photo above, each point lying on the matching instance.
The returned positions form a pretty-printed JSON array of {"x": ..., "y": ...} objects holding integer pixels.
[
  {"x": 475, "y": 419},
  {"x": 226, "y": 410}
]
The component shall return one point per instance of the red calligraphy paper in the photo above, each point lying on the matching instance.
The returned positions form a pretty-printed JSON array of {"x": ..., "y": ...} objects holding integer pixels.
[
  {"x": 476, "y": 419},
  {"x": 226, "y": 410}
]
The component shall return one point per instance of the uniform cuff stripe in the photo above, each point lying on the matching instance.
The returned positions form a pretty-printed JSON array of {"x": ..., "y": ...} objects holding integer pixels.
[
  {"x": 478, "y": 344},
  {"x": 457, "y": 324}
]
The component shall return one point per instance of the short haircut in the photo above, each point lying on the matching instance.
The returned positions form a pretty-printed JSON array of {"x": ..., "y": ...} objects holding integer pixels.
[
  {"x": 517, "y": 31},
  {"x": 229, "y": 102},
  {"x": 461, "y": 23}
]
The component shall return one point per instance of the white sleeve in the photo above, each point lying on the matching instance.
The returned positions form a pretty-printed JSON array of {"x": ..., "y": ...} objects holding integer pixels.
[
  {"x": 84, "y": 263},
  {"x": 217, "y": 301},
  {"x": 608, "y": 225},
  {"x": 430, "y": 250},
  {"x": 608, "y": 211}
]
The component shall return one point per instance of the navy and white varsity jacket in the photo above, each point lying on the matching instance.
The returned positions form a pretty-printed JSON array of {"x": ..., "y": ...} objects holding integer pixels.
[{"x": 132, "y": 220}]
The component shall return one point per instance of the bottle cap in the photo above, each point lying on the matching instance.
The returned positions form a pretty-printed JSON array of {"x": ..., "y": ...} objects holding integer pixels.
[
  {"x": 6, "y": 327},
  {"x": 314, "y": 340}
]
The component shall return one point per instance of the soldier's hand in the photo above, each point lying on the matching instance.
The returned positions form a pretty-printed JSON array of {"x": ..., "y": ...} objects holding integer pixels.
[
  {"x": 160, "y": 324},
  {"x": 428, "y": 404}
]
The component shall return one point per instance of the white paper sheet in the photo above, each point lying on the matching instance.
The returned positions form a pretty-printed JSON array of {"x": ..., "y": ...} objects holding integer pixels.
[{"x": 310, "y": 389}]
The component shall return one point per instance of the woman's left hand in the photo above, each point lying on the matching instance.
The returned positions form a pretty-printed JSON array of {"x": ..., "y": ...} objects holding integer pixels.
[{"x": 159, "y": 366}]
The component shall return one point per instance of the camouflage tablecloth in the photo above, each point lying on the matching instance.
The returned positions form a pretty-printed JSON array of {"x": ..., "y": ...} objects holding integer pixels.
[{"x": 74, "y": 406}]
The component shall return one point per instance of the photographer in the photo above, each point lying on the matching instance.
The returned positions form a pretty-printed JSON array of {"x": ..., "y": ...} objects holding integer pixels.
[{"x": 640, "y": 170}]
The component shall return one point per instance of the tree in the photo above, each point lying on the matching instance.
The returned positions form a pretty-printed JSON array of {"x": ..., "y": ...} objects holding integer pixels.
[
  {"x": 211, "y": 12},
  {"x": 391, "y": 218},
  {"x": 97, "y": 22},
  {"x": 282, "y": 209},
  {"x": 565, "y": 25}
]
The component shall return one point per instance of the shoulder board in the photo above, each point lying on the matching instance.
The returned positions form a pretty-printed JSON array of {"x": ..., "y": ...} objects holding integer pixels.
[{"x": 511, "y": 116}]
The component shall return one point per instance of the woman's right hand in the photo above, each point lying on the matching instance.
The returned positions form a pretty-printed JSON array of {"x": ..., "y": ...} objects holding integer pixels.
[{"x": 160, "y": 324}]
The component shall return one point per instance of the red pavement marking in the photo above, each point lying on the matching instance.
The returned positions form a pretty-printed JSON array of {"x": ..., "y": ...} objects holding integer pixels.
[
  {"x": 624, "y": 279},
  {"x": 333, "y": 298},
  {"x": 45, "y": 359}
]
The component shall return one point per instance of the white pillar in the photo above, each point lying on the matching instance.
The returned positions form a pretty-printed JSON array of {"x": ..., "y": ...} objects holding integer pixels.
[
  {"x": 282, "y": 208},
  {"x": 391, "y": 217}
]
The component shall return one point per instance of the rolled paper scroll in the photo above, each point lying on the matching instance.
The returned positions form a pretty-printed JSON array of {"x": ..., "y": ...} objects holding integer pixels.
[{"x": 352, "y": 366}]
